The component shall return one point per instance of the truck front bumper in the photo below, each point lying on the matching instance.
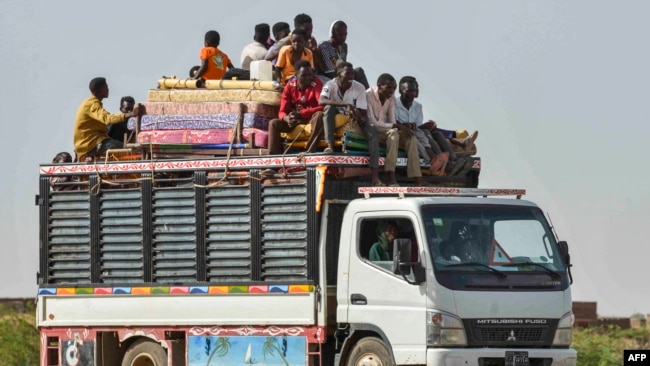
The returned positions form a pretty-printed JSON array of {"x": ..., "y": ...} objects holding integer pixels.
[{"x": 487, "y": 356}]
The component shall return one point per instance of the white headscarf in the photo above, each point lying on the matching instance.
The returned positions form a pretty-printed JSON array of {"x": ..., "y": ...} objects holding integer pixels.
[{"x": 332, "y": 27}]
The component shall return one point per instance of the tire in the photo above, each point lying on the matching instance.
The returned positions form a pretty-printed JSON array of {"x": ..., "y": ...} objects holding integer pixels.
[
  {"x": 145, "y": 353},
  {"x": 370, "y": 351}
]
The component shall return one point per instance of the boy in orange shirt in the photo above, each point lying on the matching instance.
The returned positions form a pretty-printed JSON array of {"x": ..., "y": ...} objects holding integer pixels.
[
  {"x": 293, "y": 53},
  {"x": 214, "y": 62}
]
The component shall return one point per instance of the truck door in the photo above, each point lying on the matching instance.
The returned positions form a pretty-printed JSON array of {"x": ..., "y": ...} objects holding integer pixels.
[{"x": 381, "y": 300}]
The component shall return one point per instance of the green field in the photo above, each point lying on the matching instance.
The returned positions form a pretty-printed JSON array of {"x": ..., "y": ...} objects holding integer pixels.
[{"x": 19, "y": 339}]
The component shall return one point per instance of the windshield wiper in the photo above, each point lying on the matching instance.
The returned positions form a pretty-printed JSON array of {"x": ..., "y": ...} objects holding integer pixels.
[
  {"x": 554, "y": 275},
  {"x": 499, "y": 274}
]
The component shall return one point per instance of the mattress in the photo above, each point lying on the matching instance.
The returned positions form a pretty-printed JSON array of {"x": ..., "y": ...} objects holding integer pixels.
[
  {"x": 156, "y": 147},
  {"x": 219, "y": 95},
  {"x": 260, "y": 109},
  {"x": 197, "y": 121},
  {"x": 217, "y": 136},
  {"x": 261, "y": 137}
]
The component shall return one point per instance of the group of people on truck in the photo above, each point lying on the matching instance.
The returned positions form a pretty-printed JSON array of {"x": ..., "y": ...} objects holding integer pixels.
[
  {"x": 319, "y": 85},
  {"x": 320, "y": 88}
]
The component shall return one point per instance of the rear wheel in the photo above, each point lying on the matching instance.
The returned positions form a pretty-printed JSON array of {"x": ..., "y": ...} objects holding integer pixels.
[
  {"x": 370, "y": 351},
  {"x": 145, "y": 353}
]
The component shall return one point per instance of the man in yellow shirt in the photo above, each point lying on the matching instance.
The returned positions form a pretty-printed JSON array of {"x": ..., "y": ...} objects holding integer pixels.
[{"x": 92, "y": 120}]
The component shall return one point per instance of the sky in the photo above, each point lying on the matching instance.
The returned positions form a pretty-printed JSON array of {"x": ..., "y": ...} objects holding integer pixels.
[{"x": 556, "y": 89}]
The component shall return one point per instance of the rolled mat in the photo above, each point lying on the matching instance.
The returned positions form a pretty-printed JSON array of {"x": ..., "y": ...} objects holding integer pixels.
[
  {"x": 173, "y": 83},
  {"x": 260, "y": 109},
  {"x": 197, "y": 121},
  {"x": 222, "y": 95},
  {"x": 352, "y": 136},
  {"x": 217, "y": 136},
  {"x": 242, "y": 84}
]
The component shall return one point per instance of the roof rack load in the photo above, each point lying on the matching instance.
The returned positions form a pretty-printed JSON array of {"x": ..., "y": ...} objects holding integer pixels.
[{"x": 441, "y": 191}]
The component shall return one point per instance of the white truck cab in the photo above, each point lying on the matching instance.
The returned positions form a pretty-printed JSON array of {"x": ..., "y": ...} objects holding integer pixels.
[{"x": 468, "y": 281}]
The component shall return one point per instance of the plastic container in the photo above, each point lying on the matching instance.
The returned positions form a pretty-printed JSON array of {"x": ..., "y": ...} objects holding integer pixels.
[{"x": 261, "y": 70}]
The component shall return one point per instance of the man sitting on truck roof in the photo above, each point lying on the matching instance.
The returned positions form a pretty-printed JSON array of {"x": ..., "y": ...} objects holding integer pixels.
[
  {"x": 465, "y": 145},
  {"x": 299, "y": 105},
  {"x": 381, "y": 117},
  {"x": 432, "y": 145},
  {"x": 335, "y": 50},
  {"x": 119, "y": 130},
  {"x": 92, "y": 120},
  {"x": 257, "y": 49},
  {"x": 301, "y": 21},
  {"x": 293, "y": 53},
  {"x": 281, "y": 32},
  {"x": 344, "y": 96}
]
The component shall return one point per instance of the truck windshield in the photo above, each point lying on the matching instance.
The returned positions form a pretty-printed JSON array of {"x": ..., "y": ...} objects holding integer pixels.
[{"x": 503, "y": 238}]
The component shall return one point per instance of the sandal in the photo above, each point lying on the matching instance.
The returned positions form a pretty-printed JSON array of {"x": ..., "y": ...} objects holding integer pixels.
[{"x": 378, "y": 184}]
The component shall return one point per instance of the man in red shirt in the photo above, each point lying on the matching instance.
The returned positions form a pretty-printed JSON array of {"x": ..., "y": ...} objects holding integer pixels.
[{"x": 299, "y": 105}]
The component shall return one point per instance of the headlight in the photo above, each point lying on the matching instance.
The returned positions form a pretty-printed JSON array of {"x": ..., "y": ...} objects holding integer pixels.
[
  {"x": 444, "y": 330},
  {"x": 564, "y": 332}
]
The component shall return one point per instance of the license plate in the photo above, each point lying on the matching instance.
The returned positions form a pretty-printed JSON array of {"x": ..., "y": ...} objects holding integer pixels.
[{"x": 517, "y": 358}]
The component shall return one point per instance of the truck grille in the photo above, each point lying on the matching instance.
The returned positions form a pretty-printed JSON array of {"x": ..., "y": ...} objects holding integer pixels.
[
  {"x": 511, "y": 333},
  {"x": 504, "y": 334}
]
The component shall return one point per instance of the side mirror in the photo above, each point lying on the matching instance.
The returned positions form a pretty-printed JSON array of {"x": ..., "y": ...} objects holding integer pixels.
[
  {"x": 566, "y": 257},
  {"x": 402, "y": 264},
  {"x": 564, "y": 251}
]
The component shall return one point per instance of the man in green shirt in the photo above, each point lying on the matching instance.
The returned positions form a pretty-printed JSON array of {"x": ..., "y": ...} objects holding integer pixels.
[{"x": 382, "y": 249}]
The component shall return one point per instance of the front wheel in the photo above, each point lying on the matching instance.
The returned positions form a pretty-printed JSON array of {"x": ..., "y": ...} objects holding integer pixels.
[
  {"x": 370, "y": 351},
  {"x": 145, "y": 353}
]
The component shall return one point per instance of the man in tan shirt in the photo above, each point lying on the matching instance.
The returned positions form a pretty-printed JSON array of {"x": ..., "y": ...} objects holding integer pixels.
[{"x": 92, "y": 120}]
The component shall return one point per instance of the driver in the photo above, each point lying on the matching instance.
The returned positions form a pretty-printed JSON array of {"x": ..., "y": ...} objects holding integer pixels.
[{"x": 382, "y": 249}]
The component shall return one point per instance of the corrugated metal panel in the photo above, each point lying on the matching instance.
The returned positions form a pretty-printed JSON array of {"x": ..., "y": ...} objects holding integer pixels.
[
  {"x": 69, "y": 237},
  {"x": 174, "y": 235},
  {"x": 284, "y": 243},
  {"x": 121, "y": 236},
  {"x": 228, "y": 234}
]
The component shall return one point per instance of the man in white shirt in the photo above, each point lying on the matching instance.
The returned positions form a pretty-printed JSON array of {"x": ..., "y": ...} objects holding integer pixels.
[
  {"x": 381, "y": 115},
  {"x": 432, "y": 143},
  {"x": 343, "y": 95},
  {"x": 257, "y": 50}
]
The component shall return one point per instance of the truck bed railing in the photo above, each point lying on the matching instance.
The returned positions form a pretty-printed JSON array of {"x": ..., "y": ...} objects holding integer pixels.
[{"x": 441, "y": 191}]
